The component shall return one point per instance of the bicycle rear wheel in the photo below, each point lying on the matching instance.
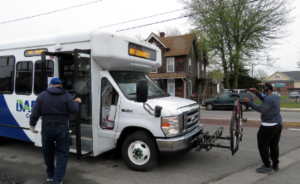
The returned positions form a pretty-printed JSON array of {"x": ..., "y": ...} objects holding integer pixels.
[{"x": 234, "y": 136}]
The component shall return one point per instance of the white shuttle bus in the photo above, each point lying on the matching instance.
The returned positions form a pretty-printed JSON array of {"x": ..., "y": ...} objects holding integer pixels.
[{"x": 121, "y": 107}]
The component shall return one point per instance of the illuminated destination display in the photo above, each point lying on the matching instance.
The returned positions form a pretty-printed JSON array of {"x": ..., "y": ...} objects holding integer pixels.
[
  {"x": 35, "y": 52},
  {"x": 143, "y": 52}
]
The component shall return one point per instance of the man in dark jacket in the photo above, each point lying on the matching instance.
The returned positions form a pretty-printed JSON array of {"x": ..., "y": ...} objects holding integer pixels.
[
  {"x": 268, "y": 135},
  {"x": 54, "y": 105}
]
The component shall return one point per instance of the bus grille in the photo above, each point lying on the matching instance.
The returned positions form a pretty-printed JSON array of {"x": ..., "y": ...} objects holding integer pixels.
[{"x": 189, "y": 120}]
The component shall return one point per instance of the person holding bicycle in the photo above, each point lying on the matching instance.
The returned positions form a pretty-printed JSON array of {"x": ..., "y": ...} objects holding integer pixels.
[
  {"x": 269, "y": 133},
  {"x": 260, "y": 95}
]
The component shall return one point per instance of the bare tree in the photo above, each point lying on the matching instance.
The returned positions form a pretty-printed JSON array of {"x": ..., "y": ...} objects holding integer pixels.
[
  {"x": 239, "y": 29},
  {"x": 138, "y": 36},
  {"x": 170, "y": 31},
  {"x": 260, "y": 74}
]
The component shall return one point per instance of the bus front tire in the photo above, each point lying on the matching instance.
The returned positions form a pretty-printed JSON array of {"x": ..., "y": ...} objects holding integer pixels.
[{"x": 139, "y": 151}]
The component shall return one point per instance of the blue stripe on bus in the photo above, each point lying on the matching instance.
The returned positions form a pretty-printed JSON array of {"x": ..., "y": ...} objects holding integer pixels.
[{"x": 7, "y": 118}]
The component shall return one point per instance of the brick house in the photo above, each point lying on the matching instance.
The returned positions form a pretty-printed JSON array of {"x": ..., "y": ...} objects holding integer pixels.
[
  {"x": 284, "y": 82},
  {"x": 183, "y": 68}
]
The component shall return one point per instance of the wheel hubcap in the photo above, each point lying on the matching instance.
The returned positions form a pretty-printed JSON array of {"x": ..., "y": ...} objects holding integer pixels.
[{"x": 139, "y": 152}]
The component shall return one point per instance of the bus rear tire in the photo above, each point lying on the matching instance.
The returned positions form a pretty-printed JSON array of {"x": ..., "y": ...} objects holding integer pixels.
[{"x": 139, "y": 151}]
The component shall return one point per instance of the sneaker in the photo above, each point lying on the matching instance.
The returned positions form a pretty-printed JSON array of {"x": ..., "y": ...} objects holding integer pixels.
[
  {"x": 264, "y": 169},
  {"x": 49, "y": 179},
  {"x": 276, "y": 168}
]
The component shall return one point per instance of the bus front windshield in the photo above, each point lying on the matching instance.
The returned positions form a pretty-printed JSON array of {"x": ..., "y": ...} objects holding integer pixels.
[{"x": 127, "y": 83}]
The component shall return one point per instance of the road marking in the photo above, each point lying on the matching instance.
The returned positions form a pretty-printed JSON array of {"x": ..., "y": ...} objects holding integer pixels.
[
  {"x": 249, "y": 175},
  {"x": 294, "y": 129},
  {"x": 292, "y": 124}
]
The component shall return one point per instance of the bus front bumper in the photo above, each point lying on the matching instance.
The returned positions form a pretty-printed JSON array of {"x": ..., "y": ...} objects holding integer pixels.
[{"x": 180, "y": 144}]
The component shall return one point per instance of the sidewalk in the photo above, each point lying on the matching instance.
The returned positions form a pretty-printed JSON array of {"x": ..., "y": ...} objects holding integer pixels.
[
  {"x": 288, "y": 172},
  {"x": 281, "y": 109}
]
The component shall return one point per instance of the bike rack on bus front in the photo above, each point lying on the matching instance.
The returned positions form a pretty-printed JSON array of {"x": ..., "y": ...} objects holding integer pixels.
[{"x": 206, "y": 141}]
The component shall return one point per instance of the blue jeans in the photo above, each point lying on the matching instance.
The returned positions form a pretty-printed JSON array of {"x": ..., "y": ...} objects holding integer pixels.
[{"x": 55, "y": 139}]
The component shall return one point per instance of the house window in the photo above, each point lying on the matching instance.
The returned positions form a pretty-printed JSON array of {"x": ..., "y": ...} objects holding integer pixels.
[
  {"x": 153, "y": 71},
  {"x": 277, "y": 76},
  {"x": 170, "y": 65},
  {"x": 202, "y": 69},
  {"x": 190, "y": 65},
  {"x": 190, "y": 88},
  {"x": 289, "y": 83}
]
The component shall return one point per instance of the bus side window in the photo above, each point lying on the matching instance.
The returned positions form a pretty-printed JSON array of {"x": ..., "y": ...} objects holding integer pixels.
[
  {"x": 109, "y": 97},
  {"x": 24, "y": 78},
  {"x": 7, "y": 70},
  {"x": 38, "y": 88}
]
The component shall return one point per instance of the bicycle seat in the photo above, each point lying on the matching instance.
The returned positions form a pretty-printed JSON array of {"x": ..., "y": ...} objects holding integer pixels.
[{"x": 234, "y": 95}]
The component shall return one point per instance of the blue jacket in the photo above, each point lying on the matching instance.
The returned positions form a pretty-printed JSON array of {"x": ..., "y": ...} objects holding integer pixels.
[
  {"x": 269, "y": 109},
  {"x": 54, "y": 105}
]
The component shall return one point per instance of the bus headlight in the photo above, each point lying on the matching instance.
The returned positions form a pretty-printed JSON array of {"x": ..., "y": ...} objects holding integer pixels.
[{"x": 170, "y": 125}]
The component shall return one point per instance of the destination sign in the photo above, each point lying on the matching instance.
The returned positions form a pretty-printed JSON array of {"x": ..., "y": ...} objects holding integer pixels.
[
  {"x": 35, "y": 52},
  {"x": 140, "y": 51}
]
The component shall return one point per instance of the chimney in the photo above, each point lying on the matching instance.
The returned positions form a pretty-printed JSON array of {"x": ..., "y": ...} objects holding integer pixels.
[{"x": 162, "y": 34}]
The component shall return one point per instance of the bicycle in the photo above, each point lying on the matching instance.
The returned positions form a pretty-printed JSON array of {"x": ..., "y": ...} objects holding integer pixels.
[
  {"x": 206, "y": 141},
  {"x": 236, "y": 125}
]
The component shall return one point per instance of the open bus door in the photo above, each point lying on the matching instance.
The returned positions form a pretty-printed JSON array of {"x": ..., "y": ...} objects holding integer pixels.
[{"x": 75, "y": 72}]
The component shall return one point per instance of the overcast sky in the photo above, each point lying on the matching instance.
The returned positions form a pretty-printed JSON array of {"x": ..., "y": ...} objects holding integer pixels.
[{"x": 107, "y": 12}]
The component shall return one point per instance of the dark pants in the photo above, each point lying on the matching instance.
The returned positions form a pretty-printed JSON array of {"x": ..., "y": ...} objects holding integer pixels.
[
  {"x": 55, "y": 139},
  {"x": 268, "y": 139}
]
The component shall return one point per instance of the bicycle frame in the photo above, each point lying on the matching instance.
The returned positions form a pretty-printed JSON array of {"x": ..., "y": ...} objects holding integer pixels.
[{"x": 237, "y": 110}]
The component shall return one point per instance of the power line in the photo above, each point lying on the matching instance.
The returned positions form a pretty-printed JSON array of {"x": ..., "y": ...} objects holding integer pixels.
[
  {"x": 184, "y": 16},
  {"x": 142, "y": 18},
  {"x": 149, "y": 16},
  {"x": 50, "y": 12}
]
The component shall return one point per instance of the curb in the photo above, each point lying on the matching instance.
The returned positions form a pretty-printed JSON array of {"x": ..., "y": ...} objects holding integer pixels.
[
  {"x": 249, "y": 175},
  {"x": 281, "y": 109}
]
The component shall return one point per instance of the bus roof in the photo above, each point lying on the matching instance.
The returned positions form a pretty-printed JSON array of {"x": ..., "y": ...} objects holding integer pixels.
[{"x": 47, "y": 40}]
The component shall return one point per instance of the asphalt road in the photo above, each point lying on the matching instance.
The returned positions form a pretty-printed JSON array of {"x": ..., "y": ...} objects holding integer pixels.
[
  {"x": 249, "y": 114},
  {"x": 22, "y": 163}
]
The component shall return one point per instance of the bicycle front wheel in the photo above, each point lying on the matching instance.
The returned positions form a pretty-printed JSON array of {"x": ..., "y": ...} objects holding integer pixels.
[{"x": 233, "y": 134}]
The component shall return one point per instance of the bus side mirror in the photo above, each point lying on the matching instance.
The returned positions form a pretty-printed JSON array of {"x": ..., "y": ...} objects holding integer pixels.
[{"x": 141, "y": 90}]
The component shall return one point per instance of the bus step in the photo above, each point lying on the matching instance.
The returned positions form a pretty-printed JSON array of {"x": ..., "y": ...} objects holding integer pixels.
[{"x": 86, "y": 143}]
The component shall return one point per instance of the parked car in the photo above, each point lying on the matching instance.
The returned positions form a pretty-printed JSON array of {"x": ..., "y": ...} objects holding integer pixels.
[
  {"x": 294, "y": 95},
  {"x": 224, "y": 101},
  {"x": 276, "y": 93}
]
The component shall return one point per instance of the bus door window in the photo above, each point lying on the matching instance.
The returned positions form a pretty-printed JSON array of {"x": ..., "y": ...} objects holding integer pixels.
[
  {"x": 38, "y": 87},
  {"x": 109, "y": 101},
  {"x": 82, "y": 87},
  {"x": 24, "y": 78},
  {"x": 7, "y": 67}
]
